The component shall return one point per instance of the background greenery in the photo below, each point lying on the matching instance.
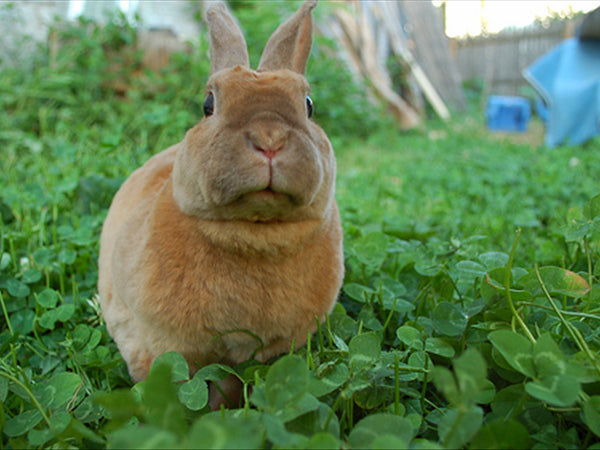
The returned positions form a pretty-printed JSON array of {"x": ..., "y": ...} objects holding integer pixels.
[{"x": 469, "y": 314}]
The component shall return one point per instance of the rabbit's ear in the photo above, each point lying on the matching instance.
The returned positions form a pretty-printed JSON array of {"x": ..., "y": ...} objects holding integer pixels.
[
  {"x": 227, "y": 44},
  {"x": 289, "y": 46}
]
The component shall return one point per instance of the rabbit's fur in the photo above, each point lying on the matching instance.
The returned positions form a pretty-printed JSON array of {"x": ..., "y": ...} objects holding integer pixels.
[{"x": 233, "y": 233}]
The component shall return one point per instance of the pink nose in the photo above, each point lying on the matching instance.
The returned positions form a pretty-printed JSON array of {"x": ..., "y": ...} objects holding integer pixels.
[
  {"x": 268, "y": 152},
  {"x": 267, "y": 138}
]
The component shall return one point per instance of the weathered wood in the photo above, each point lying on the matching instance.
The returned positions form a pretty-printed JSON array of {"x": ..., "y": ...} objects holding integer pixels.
[
  {"x": 358, "y": 41},
  {"x": 431, "y": 48},
  {"x": 390, "y": 16},
  {"x": 375, "y": 31}
]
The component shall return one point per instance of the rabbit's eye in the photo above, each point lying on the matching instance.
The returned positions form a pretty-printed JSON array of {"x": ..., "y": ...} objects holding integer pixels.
[
  {"x": 209, "y": 104},
  {"x": 309, "y": 106}
]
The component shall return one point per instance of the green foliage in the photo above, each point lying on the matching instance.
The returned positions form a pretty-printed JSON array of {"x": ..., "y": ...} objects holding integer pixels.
[{"x": 451, "y": 330}]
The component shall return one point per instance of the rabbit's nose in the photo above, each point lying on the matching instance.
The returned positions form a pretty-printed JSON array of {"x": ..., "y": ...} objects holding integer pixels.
[
  {"x": 268, "y": 152},
  {"x": 269, "y": 142}
]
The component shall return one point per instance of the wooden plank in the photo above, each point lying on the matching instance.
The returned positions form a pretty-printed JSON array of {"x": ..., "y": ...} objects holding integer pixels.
[
  {"x": 431, "y": 48},
  {"x": 359, "y": 43},
  {"x": 389, "y": 15}
]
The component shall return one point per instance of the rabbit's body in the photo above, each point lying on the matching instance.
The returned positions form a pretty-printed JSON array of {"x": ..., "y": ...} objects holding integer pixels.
[
  {"x": 227, "y": 245},
  {"x": 174, "y": 288}
]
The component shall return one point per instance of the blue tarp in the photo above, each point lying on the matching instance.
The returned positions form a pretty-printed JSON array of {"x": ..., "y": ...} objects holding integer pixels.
[{"x": 568, "y": 79}]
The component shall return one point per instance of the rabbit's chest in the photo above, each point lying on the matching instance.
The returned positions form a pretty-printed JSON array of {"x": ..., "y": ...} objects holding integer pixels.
[
  {"x": 221, "y": 297},
  {"x": 263, "y": 302}
]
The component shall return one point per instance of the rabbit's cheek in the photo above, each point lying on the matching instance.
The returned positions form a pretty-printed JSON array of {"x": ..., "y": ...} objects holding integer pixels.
[{"x": 299, "y": 175}]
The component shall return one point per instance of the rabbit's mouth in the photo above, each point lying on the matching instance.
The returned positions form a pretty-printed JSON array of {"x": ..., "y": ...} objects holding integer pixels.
[
  {"x": 267, "y": 193},
  {"x": 263, "y": 205},
  {"x": 268, "y": 196}
]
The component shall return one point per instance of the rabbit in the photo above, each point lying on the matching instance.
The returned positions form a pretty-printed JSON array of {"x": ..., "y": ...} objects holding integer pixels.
[{"x": 228, "y": 245}]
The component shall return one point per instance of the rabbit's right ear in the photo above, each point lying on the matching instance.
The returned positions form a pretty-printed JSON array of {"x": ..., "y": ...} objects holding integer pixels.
[{"x": 227, "y": 44}]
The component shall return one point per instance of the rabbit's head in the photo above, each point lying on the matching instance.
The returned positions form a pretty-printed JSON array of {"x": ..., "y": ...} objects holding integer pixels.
[{"x": 256, "y": 155}]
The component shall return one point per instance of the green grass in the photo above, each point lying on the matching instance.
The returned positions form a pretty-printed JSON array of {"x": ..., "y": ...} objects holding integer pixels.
[
  {"x": 469, "y": 314},
  {"x": 460, "y": 180}
]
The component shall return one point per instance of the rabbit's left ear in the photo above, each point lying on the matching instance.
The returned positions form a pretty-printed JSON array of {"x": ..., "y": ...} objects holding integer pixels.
[
  {"x": 289, "y": 46},
  {"x": 227, "y": 44}
]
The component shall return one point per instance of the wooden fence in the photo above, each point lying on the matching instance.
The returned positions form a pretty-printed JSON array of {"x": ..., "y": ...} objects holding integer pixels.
[{"x": 498, "y": 60}]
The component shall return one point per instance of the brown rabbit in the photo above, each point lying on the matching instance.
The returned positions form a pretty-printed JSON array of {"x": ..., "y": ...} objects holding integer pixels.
[{"x": 234, "y": 231}]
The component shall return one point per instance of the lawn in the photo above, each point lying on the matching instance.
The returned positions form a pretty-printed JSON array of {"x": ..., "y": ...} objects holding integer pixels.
[{"x": 468, "y": 318}]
